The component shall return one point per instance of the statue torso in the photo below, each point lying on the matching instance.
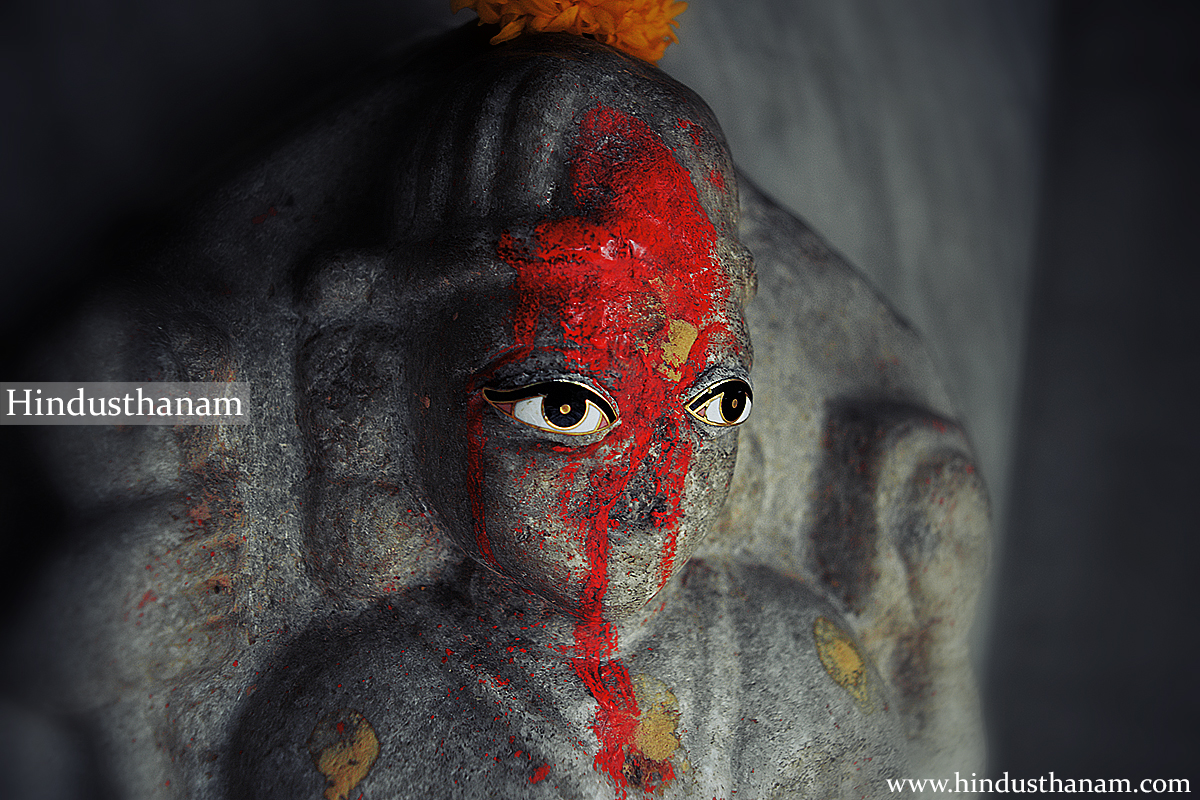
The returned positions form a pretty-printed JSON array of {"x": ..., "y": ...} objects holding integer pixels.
[{"x": 746, "y": 681}]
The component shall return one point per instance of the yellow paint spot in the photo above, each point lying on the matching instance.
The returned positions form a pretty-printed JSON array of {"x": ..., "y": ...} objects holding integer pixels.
[
  {"x": 677, "y": 347},
  {"x": 343, "y": 746},
  {"x": 841, "y": 659},
  {"x": 655, "y": 735}
]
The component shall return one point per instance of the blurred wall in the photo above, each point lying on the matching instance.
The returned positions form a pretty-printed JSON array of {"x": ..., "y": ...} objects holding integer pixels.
[
  {"x": 1093, "y": 664},
  {"x": 908, "y": 135}
]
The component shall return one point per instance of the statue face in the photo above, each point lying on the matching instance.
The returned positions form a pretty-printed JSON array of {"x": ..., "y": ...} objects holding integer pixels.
[{"x": 600, "y": 433}]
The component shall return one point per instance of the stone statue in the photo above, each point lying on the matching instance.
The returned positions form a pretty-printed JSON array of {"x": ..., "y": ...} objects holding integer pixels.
[{"x": 476, "y": 541}]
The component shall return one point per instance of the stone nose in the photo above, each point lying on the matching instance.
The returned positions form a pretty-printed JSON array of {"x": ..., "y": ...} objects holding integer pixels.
[
  {"x": 655, "y": 487},
  {"x": 645, "y": 509}
]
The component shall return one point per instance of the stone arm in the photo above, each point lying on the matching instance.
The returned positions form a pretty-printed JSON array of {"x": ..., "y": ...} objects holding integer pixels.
[{"x": 853, "y": 473}]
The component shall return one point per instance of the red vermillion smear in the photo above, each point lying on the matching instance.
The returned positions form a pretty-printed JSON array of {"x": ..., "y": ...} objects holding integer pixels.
[{"x": 621, "y": 280}]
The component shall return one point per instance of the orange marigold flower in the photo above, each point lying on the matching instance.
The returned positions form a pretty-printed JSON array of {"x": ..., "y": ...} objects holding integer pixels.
[{"x": 642, "y": 28}]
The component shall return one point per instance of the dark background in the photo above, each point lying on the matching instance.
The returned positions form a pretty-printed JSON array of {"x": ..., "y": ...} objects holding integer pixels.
[
  {"x": 1089, "y": 658},
  {"x": 1093, "y": 660}
]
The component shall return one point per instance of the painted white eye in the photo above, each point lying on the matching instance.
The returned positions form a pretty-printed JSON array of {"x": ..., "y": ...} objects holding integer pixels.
[
  {"x": 724, "y": 404},
  {"x": 556, "y": 407}
]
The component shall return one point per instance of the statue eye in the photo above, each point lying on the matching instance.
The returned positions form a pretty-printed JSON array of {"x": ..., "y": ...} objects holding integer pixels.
[
  {"x": 556, "y": 407},
  {"x": 724, "y": 404}
]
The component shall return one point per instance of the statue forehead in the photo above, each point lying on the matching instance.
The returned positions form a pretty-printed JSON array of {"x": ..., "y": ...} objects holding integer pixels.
[
  {"x": 578, "y": 277},
  {"x": 635, "y": 227}
]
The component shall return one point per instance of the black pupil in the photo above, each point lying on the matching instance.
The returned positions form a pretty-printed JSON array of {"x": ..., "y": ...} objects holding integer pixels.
[
  {"x": 733, "y": 401},
  {"x": 565, "y": 405}
]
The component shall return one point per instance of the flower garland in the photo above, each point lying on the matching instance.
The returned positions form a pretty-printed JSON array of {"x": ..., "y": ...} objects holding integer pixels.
[{"x": 642, "y": 28}]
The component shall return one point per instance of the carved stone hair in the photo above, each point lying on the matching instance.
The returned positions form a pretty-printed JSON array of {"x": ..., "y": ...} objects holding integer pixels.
[{"x": 492, "y": 143}]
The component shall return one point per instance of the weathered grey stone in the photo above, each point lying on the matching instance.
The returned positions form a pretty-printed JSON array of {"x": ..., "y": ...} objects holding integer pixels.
[{"x": 251, "y": 609}]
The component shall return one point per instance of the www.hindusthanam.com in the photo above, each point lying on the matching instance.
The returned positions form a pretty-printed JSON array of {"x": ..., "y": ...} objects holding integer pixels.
[
  {"x": 125, "y": 403},
  {"x": 1046, "y": 784}
]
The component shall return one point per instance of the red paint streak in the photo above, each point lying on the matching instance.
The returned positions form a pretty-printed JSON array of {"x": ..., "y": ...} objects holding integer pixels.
[
  {"x": 716, "y": 179},
  {"x": 148, "y": 597},
  {"x": 261, "y": 218},
  {"x": 610, "y": 284},
  {"x": 199, "y": 515},
  {"x": 540, "y": 774},
  {"x": 693, "y": 129}
]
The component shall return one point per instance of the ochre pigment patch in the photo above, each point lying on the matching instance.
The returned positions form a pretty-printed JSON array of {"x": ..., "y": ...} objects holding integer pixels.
[
  {"x": 655, "y": 734},
  {"x": 343, "y": 746},
  {"x": 841, "y": 659},
  {"x": 680, "y": 338},
  {"x": 648, "y": 765}
]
